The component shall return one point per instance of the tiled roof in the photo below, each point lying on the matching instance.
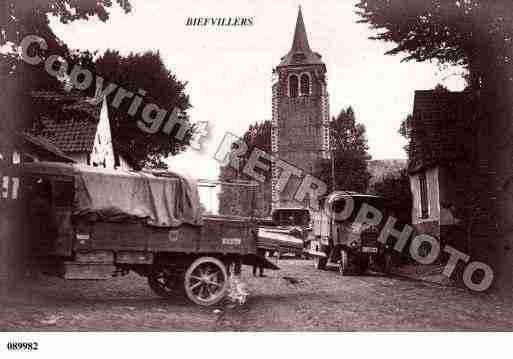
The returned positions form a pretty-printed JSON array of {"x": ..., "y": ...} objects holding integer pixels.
[
  {"x": 438, "y": 129},
  {"x": 72, "y": 135},
  {"x": 69, "y": 121},
  {"x": 42, "y": 145}
]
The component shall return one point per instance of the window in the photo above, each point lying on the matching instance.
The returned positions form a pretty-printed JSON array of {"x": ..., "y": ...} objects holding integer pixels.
[
  {"x": 16, "y": 157},
  {"x": 424, "y": 209},
  {"x": 305, "y": 85},
  {"x": 293, "y": 86}
]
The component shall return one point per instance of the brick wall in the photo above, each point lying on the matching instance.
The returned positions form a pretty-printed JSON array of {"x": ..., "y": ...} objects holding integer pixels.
[{"x": 299, "y": 127}]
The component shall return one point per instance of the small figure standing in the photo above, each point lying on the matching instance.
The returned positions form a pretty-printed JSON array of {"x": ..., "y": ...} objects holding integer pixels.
[{"x": 259, "y": 263}]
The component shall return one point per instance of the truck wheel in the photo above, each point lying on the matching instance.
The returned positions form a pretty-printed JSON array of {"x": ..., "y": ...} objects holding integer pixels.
[
  {"x": 343, "y": 264},
  {"x": 206, "y": 281},
  {"x": 320, "y": 262},
  {"x": 165, "y": 282}
]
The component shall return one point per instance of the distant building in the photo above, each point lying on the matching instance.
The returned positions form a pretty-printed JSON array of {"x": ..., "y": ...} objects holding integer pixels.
[
  {"x": 300, "y": 115},
  {"x": 80, "y": 128},
  {"x": 440, "y": 162}
]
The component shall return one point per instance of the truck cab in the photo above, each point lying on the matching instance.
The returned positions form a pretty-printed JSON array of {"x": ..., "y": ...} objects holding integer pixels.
[{"x": 341, "y": 240}]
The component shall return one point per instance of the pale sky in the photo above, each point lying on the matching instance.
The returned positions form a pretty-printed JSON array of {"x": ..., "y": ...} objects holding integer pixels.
[{"x": 228, "y": 69}]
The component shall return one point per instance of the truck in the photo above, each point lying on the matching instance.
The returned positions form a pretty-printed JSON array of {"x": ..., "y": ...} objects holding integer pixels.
[
  {"x": 95, "y": 223},
  {"x": 342, "y": 241}
]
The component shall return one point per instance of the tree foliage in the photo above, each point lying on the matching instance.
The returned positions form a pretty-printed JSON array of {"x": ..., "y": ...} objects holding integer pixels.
[
  {"x": 466, "y": 32},
  {"x": 395, "y": 189},
  {"x": 145, "y": 71},
  {"x": 20, "y": 18},
  {"x": 350, "y": 150}
]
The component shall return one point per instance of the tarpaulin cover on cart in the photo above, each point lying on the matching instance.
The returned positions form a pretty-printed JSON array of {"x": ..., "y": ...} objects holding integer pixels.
[{"x": 108, "y": 195}]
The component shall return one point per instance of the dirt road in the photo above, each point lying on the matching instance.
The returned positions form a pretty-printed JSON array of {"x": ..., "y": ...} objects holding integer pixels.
[{"x": 298, "y": 297}]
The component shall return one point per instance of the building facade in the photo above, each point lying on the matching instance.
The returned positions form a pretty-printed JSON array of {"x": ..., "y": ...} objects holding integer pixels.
[
  {"x": 300, "y": 115},
  {"x": 80, "y": 128},
  {"x": 440, "y": 166}
]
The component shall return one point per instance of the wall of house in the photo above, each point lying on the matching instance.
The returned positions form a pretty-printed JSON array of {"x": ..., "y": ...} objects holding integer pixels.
[
  {"x": 429, "y": 225},
  {"x": 453, "y": 186}
]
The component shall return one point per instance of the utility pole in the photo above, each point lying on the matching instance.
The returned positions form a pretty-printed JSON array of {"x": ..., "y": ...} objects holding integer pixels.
[{"x": 332, "y": 155}]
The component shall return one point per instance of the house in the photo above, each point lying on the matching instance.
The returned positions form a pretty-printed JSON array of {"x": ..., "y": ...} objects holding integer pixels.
[
  {"x": 79, "y": 127},
  {"x": 440, "y": 163}
]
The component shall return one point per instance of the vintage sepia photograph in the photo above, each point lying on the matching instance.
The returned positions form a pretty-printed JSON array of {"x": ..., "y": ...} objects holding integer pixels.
[{"x": 242, "y": 166}]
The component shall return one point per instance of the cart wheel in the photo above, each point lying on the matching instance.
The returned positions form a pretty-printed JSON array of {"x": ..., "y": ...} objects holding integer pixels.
[
  {"x": 165, "y": 282},
  {"x": 206, "y": 281},
  {"x": 344, "y": 262}
]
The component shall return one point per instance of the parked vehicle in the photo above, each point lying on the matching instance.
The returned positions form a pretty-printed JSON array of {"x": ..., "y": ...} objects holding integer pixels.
[
  {"x": 352, "y": 246},
  {"x": 285, "y": 232},
  {"x": 111, "y": 222}
]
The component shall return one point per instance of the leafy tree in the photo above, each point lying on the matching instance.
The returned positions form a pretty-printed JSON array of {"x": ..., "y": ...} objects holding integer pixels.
[
  {"x": 478, "y": 35},
  {"x": 395, "y": 189},
  {"x": 474, "y": 33},
  {"x": 20, "y": 18},
  {"x": 145, "y": 71},
  {"x": 349, "y": 150}
]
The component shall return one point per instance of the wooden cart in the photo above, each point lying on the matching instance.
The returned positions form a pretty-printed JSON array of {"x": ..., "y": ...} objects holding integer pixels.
[{"x": 190, "y": 259}]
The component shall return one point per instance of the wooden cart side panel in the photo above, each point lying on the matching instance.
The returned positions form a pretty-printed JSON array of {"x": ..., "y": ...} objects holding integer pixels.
[
  {"x": 140, "y": 237},
  {"x": 226, "y": 236},
  {"x": 183, "y": 239}
]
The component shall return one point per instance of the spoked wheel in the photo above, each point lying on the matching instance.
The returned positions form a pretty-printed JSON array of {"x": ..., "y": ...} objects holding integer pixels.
[
  {"x": 343, "y": 264},
  {"x": 166, "y": 282},
  {"x": 206, "y": 281}
]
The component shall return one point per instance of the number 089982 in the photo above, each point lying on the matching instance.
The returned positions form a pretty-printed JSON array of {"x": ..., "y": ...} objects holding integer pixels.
[{"x": 22, "y": 346}]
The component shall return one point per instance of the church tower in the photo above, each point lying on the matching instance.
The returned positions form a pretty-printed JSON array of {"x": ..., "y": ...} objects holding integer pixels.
[{"x": 300, "y": 115}]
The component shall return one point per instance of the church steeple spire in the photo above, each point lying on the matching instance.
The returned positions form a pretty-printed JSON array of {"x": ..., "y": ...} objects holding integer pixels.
[
  {"x": 300, "y": 43},
  {"x": 300, "y": 52}
]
